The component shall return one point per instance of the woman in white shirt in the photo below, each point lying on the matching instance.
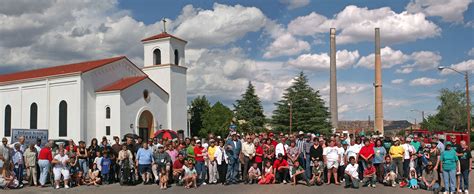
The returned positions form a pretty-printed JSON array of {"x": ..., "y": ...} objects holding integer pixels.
[
  {"x": 332, "y": 158},
  {"x": 60, "y": 162}
]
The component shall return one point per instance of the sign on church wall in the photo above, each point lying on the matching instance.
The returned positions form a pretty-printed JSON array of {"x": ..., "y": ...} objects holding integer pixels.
[{"x": 31, "y": 135}]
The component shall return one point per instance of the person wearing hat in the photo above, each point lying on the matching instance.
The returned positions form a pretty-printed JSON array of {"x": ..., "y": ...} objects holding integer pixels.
[
  {"x": 396, "y": 153},
  {"x": 161, "y": 160},
  {"x": 449, "y": 166},
  {"x": 232, "y": 149},
  {"x": 212, "y": 164},
  {"x": 429, "y": 179},
  {"x": 281, "y": 169}
]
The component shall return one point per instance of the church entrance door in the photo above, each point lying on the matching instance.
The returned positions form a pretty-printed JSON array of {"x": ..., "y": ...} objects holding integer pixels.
[{"x": 145, "y": 125}]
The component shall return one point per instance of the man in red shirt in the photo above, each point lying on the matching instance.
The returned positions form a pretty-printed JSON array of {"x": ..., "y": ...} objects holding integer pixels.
[
  {"x": 178, "y": 168},
  {"x": 366, "y": 153},
  {"x": 281, "y": 169},
  {"x": 199, "y": 157},
  {"x": 369, "y": 175}
]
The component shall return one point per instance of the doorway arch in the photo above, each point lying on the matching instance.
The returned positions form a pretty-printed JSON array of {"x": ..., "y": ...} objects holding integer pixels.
[{"x": 145, "y": 125}]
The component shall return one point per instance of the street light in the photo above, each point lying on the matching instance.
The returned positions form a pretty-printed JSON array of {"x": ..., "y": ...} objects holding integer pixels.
[
  {"x": 468, "y": 100},
  {"x": 291, "y": 115}
]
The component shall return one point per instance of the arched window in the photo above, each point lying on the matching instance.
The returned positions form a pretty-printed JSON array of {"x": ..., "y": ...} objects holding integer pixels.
[
  {"x": 107, "y": 113},
  {"x": 34, "y": 116},
  {"x": 62, "y": 119},
  {"x": 8, "y": 121},
  {"x": 176, "y": 57},
  {"x": 157, "y": 56}
]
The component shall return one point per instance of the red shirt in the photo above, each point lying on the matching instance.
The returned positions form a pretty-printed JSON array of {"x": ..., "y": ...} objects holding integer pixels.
[
  {"x": 45, "y": 154},
  {"x": 68, "y": 148},
  {"x": 259, "y": 150},
  {"x": 177, "y": 164},
  {"x": 198, "y": 151},
  {"x": 277, "y": 164},
  {"x": 366, "y": 151},
  {"x": 369, "y": 170},
  {"x": 274, "y": 143}
]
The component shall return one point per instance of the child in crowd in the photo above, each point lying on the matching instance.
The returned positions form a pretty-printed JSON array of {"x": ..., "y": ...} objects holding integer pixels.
[
  {"x": 190, "y": 176},
  {"x": 318, "y": 171},
  {"x": 389, "y": 174},
  {"x": 413, "y": 183},
  {"x": 97, "y": 160},
  {"x": 105, "y": 163},
  {"x": 297, "y": 174},
  {"x": 254, "y": 173},
  {"x": 163, "y": 179},
  {"x": 94, "y": 178},
  {"x": 370, "y": 179},
  {"x": 351, "y": 175},
  {"x": 268, "y": 177}
]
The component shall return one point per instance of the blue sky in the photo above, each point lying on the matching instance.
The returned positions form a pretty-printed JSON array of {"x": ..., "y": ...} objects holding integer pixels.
[{"x": 266, "y": 42}]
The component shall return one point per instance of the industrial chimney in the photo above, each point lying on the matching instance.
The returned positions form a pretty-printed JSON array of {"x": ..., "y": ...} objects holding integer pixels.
[
  {"x": 333, "y": 80},
  {"x": 378, "y": 85}
]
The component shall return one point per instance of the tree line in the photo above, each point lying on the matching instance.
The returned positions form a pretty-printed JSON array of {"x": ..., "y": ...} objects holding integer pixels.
[{"x": 309, "y": 113}]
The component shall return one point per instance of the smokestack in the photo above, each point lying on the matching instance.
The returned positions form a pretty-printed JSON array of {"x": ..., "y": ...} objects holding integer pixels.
[
  {"x": 333, "y": 80},
  {"x": 378, "y": 85}
]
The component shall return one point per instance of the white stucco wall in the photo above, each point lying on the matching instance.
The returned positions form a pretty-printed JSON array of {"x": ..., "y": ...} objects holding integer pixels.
[
  {"x": 47, "y": 94},
  {"x": 133, "y": 104},
  {"x": 104, "y": 100},
  {"x": 167, "y": 47},
  {"x": 97, "y": 79}
]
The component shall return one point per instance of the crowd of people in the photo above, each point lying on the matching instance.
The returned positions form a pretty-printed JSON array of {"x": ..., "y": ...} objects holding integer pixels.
[{"x": 413, "y": 162}]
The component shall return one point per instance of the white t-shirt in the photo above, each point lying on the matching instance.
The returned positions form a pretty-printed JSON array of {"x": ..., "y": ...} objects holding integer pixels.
[
  {"x": 352, "y": 151},
  {"x": 280, "y": 149},
  {"x": 62, "y": 161},
  {"x": 331, "y": 153},
  {"x": 352, "y": 170},
  {"x": 409, "y": 149},
  {"x": 98, "y": 161},
  {"x": 340, "y": 151}
]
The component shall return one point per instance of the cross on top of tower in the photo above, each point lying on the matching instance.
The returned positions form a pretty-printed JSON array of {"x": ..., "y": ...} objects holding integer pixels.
[{"x": 164, "y": 25}]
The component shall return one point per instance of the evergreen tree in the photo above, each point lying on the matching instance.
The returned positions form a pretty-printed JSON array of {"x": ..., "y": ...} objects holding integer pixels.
[
  {"x": 250, "y": 110},
  {"x": 216, "y": 120},
  {"x": 199, "y": 106},
  {"x": 308, "y": 111}
]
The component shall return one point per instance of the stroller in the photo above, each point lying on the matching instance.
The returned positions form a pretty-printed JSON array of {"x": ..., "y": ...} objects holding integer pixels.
[{"x": 127, "y": 173}]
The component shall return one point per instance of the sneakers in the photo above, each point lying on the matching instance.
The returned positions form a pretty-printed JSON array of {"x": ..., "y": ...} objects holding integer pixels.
[
  {"x": 57, "y": 187},
  {"x": 284, "y": 181},
  {"x": 204, "y": 183},
  {"x": 66, "y": 186},
  {"x": 466, "y": 191},
  {"x": 373, "y": 185}
]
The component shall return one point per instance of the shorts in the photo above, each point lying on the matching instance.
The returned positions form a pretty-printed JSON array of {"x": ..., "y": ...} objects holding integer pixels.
[
  {"x": 60, "y": 171},
  {"x": 332, "y": 164},
  {"x": 143, "y": 168}
]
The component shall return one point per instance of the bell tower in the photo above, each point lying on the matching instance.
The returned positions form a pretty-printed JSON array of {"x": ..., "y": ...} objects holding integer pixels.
[{"x": 164, "y": 60}]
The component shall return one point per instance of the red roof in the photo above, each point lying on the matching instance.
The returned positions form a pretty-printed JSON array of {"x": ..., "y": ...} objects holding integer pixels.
[
  {"x": 122, "y": 84},
  {"x": 58, "y": 70},
  {"x": 162, "y": 35}
]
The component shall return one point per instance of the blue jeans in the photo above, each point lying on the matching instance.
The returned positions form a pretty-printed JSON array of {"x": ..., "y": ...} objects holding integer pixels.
[
  {"x": 83, "y": 166},
  {"x": 18, "y": 169},
  {"x": 449, "y": 177},
  {"x": 200, "y": 171},
  {"x": 44, "y": 171},
  {"x": 232, "y": 170},
  {"x": 308, "y": 169},
  {"x": 464, "y": 180}
]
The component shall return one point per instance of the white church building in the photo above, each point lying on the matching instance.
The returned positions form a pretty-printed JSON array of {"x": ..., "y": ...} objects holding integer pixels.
[{"x": 107, "y": 97}]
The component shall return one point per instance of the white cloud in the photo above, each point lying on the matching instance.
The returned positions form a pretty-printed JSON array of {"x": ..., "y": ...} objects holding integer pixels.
[
  {"x": 343, "y": 108},
  {"x": 397, "y": 81},
  {"x": 419, "y": 60},
  {"x": 389, "y": 58},
  {"x": 356, "y": 24},
  {"x": 221, "y": 25},
  {"x": 449, "y": 10},
  {"x": 426, "y": 81},
  {"x": 344, "y": 59},
  {"x": 299, "y": 26},
  {"x": 462, "y": 66},
  {"x": 293, "y": 4},
  {"x": 346, "y": 88},
  {"x": 286, "y": 45},
  {"x": 471, "y": 52}
]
